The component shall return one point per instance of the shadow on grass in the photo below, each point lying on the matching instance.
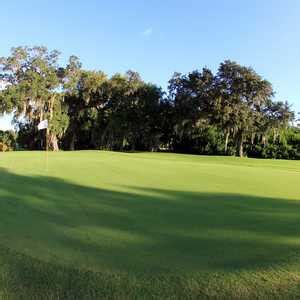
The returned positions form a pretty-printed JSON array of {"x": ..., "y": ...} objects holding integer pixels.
[{"x": 52, "y": 230}]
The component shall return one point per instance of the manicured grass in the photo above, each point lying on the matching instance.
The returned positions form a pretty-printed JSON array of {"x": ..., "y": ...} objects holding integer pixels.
[{"x": 148, "y": 225}]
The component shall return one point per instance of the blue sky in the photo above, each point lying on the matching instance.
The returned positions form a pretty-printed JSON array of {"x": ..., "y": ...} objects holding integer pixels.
[{"x": 157, "y": 38}]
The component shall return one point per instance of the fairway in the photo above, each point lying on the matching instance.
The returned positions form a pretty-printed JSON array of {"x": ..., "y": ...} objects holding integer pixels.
[{"x": 101, "y": 224}]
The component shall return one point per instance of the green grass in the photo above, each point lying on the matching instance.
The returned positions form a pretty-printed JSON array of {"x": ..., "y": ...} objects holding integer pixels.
[{"x": 148, "y": 225}]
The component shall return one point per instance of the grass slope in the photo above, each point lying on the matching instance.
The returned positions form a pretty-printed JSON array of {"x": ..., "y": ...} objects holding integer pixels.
[{"x": 148, "y": 225}]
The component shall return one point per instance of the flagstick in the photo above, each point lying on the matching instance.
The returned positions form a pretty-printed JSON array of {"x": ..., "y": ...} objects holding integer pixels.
[{"x": 42, "y": 126}]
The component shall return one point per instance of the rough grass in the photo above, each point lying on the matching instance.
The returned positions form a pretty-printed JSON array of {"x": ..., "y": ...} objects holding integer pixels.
[{"x": 147, "y": 225}]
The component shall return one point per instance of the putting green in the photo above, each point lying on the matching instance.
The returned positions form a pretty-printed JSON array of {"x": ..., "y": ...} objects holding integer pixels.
[{"x": 125, "y": 225}]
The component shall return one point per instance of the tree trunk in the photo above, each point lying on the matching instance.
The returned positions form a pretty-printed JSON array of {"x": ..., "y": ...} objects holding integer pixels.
[
  {"x": 72, "y": 142},
  {"x": 241, "y": 146},
  {"x": 42, "y": 140},
  {"x": 252, "y": 138},
  {"x": 241, "y": 150},
  {"x": 53, "y": 142},
  {"x": 47, "y": 139},
  {"x": 226, "y": 142}
]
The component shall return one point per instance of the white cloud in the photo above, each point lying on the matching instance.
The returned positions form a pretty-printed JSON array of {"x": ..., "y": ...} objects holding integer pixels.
[{"x": 147, "y": 32}]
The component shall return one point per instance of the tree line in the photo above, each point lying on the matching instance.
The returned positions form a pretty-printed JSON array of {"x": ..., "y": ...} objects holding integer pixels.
[{"x": 231, "y": 112}]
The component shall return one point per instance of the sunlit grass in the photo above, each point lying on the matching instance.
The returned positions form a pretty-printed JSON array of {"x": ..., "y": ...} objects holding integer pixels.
[{"x": 120, "y": 225}]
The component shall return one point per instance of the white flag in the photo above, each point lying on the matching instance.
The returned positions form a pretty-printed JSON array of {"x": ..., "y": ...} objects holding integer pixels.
[{"x": 43, "y": 125}]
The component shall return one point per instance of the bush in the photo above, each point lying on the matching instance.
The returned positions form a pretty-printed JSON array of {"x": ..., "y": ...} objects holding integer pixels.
[
  {"x": 7, "y": 141},
  {"x": 3, "y": 147}
]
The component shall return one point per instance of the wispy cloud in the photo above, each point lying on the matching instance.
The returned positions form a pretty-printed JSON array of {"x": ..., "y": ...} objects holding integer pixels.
[{"x": 147, "y": 32}]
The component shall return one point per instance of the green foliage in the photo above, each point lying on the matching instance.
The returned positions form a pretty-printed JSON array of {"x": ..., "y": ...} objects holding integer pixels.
[
  {"x": 32, "y": 81},
  {"x": 231, "y": 112},
  {"x": 60, "y": 120},
  {"x": 7, "y": 141},
  {"x": 236, "y": 101},
  {"x": 29, "y": 138},
  {"x": 285, "y": 146}
]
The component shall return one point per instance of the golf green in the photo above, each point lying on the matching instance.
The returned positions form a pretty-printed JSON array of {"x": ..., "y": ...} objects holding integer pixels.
[{"x": 95, "y": 224}]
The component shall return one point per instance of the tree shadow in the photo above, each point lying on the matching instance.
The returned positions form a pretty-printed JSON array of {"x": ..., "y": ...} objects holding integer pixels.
[{"x": 145, "y": 231}]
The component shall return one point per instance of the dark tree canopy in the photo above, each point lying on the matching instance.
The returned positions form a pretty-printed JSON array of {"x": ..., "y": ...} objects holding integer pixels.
[{"x": 232, "y": 112}]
